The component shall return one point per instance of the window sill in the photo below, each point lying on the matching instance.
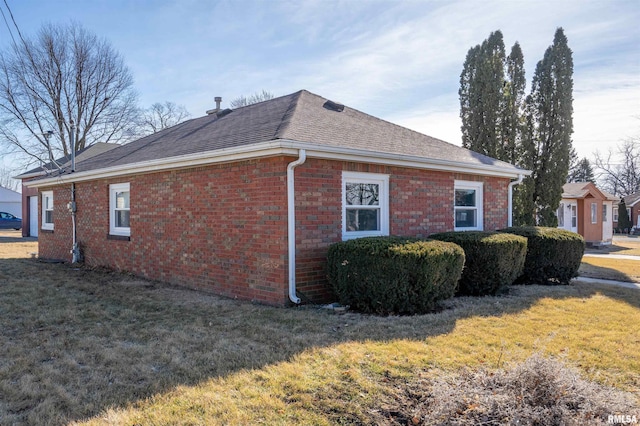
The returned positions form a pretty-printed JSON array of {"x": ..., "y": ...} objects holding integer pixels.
[{"x": 118, "y": 237}]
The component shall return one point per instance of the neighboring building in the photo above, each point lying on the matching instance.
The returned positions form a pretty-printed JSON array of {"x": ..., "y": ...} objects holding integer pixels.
[
  {"x": 245, "y": 203},
  {"x": 10, "y": 201},
  {"x": 587, "y": 210},
  {"x": 29, "y": 201},
  {"x": 633, "y": 211}
]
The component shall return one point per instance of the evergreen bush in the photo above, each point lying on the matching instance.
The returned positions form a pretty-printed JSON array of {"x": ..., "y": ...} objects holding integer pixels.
[
  {"x": 553, "y": 254},
  {"x": 492, "y": 260},
  {"x": 394, "y": 275}
]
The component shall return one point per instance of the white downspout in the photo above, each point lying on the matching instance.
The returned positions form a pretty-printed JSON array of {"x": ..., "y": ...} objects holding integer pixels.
[
  {"x": 291, "y": 222},
  {"x": 510, "y": 203}
]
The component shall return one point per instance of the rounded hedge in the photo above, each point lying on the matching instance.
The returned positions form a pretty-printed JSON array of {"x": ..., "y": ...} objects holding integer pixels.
[
  {"x": 492, "y": 260},
  {"x": 553, "y": 254},
  {"x": 394, "y": 275}
]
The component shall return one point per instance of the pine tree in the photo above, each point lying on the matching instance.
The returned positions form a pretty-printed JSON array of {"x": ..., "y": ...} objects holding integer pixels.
[
  {"x": 581, "y": 171},
  {"x": 550, "y": 117}
]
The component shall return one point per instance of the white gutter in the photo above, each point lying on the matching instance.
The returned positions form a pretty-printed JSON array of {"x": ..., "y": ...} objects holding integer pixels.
[
  {"x": 282, "y": 147},
  {"x": 291, "y": 222},
  {"x": 510, "y": 195}
]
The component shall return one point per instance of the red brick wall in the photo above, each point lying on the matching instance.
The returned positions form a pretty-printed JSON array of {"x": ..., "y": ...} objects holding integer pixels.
[
  {"x": 224, "y": 228},
  {"x": 420, "y": 204}
]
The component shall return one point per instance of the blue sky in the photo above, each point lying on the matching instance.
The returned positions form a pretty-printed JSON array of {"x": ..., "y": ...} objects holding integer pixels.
[{"x": 397, "y": 60}]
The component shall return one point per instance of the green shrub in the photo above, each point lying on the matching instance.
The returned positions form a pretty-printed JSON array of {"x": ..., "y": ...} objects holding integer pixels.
[
  {"x": 553, "y": 255},
  {"x": 394, "y": 275},
  {"x": 492, "y": 260}
]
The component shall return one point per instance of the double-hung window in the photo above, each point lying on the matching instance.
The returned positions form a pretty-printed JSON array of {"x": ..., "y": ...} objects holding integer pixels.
[
  {"x": 365, "y": 205},
  {"x": 604, "y": 213},
  {"x": 615, "y": 214},
  {"x": 47, "y": 210},
  {"x": 468, "y": 199},
  {"x": 119, "y": 214}
]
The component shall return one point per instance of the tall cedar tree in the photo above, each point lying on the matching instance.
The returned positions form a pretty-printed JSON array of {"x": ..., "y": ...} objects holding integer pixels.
[
  {"x": 480, "y": 94},
  {"x": 547, "y": 147},
  {"x": 624, "y": 222},
  {"x": 491, "y": 99}
]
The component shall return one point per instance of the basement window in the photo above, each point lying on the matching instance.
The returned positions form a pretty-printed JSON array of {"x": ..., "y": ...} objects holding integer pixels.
[
  {"x": 467, "y": 206},
  {"x": 47, "y": 210},
  {"x": 365, "y": 205},
  {"x": 119, "y": 214}
]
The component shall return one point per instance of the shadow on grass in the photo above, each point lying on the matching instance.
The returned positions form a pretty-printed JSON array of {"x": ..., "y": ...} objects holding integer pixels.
[
  {"x": 77, "y": 341},
  {"x": 594, "y": 271}
]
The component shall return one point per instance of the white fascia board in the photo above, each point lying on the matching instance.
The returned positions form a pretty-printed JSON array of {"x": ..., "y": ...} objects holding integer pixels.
[
  {"x": 275, "y": 148},
  {"x": 401, "y": 160},
  {"x": 261, "y": 150}
]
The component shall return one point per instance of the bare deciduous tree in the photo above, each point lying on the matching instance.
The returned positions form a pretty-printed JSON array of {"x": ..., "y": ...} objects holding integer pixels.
[
  {"x": 6, "y": 179},
  {"x": 619, "y": 170},
  {"x": 253, "y": 99},
  {"x": 161, "y": 116},
  {"x": 64, "y": 75}
]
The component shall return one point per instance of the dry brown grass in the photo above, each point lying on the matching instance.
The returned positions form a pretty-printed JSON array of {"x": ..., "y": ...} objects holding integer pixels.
[
  {"x": 610, "y": 269},
  {"x": 89, "y": 344},
  {"x": 629, "y": 246}
]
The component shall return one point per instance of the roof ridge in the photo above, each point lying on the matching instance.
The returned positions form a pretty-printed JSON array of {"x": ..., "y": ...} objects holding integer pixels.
[{"x": 285, "y": 122}]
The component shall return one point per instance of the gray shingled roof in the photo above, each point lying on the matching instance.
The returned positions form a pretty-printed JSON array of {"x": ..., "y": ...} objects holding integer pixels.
[
  {"x": 65, "y": 162},
  {"x": 632, "y": 199},
  {"x": 581, "y": 189},
  {"x": 300, "y": 116}
]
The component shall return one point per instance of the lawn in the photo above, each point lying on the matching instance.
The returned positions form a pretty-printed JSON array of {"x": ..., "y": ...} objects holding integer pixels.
[{"x": 95, "y": 347}]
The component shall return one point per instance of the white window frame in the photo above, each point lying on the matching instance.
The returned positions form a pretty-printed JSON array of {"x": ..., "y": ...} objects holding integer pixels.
[
  {"x": 594, "y": 212},
  {"x": 113, "y": 190},
  {"x": 44, "y": 224},
  {"x": 479, "y": 188},
  {"x": 615, "y": 214},
  {"x": 604, "y": 213},
  {"x": 383, "y": 203}
]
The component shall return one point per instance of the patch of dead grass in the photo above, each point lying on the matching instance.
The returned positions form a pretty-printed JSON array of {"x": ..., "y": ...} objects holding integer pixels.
[
  {"x": 90, "y": 344},
  {"x": 611, "y": 269}
]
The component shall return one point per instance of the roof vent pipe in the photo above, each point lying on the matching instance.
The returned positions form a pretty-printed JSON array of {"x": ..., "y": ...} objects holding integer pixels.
[{"x": 218, "y": 100}]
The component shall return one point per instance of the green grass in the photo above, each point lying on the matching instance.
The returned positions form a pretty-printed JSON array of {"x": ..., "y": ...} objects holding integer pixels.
[{"x": 96, "y": 347}]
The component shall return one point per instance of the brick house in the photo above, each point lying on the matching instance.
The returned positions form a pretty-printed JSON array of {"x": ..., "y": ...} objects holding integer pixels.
[
  {"x": 30, "y": 211},
  {"x": 587, "y": 210},
  {"x": 632, "y": 202},
  {"x": 244, "y": 203}
]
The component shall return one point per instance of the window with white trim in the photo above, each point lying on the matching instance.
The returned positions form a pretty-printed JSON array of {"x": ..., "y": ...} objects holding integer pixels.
[
  {"x": 468, "y": 199},
  {"x": 604, "y": 213},
  {"x": 47, "y": 210},
  {"x": 119, "y": 214},
  {"x": 615, "y": 214},
  {"x": 594, "y": 213},
  {"x": 365, "y": 205}
]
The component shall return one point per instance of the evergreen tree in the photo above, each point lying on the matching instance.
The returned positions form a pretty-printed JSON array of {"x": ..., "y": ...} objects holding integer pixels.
[
  {"x": 550, "y": 117},
  {"x": 481, "y": 95},
  {"x": 512, "y": 111},
  {"x": 581, "y": 171},
  {"x": 624, "y": 223}
]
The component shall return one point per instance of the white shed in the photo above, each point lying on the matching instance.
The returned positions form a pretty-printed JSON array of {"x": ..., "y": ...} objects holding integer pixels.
[{"x": 10, "y": 202}]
